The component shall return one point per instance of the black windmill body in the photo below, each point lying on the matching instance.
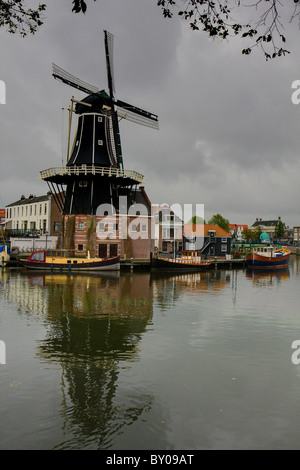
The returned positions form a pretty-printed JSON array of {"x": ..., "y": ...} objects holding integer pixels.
[{"x": 94, "y": 173}]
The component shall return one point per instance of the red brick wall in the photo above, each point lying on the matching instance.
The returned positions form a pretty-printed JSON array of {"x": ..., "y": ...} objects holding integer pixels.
[{"x": 127, "y": 248}]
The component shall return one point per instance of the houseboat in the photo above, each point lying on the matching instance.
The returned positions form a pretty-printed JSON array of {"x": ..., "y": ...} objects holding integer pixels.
[
  {"x": 268, "y": 257},
  {"x": 59, "y": 260},
  {"x": 190, "y": 260}
]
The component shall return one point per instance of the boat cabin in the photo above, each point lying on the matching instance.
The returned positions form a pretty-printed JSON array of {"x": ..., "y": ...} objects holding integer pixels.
[{"x": 191, "y": 254}]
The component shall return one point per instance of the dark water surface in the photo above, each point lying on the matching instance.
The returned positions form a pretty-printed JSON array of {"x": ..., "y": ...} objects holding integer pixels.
[{"x": 143, "y": 361}]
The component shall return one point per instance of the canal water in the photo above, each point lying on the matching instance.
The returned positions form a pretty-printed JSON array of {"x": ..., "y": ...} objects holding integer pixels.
[{"x": 150, "y": 361}]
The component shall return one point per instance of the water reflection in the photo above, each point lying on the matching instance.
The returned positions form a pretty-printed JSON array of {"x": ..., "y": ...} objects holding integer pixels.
[
  {"x": 94, "y": 329},
  {"x": 94, "y": 326},
  {"x": 267, "y": 277}
]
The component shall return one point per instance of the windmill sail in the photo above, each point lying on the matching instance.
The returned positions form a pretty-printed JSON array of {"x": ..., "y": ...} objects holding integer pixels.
[
  {"x": 137, "y": 115},
  {"x": 75, "y": 82},
  {"x": 109, "y": 50}
]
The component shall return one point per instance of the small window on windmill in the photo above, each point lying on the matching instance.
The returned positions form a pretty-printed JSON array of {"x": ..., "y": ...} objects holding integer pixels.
[
  {"x": 99, "y": 118},
  {"x": 77, "y": 143},
  {"x": 100, "y": 142},
  {"x": 83, "y": 184}
]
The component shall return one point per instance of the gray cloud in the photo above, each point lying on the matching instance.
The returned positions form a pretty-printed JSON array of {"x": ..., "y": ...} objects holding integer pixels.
[{"x": 229, "y": 133}]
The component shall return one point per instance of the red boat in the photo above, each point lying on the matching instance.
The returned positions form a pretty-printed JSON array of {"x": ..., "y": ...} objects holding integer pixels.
[{"x": 268, "y": 257}]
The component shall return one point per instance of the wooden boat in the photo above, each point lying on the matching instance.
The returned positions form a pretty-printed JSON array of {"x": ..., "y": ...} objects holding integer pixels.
[
  {"x": 268, "y": 257},
  {"x": 188, "y": 261},
  {"x": 60, "y": 261}
]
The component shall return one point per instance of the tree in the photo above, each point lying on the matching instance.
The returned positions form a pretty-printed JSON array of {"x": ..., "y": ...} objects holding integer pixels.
[
  {"x": 279, "y": 229},
  {"x": 218, "y": 19},
  {"x": 217, "y": 219},
  {"x": 19, "y": 18},
  {"x": 248, "y": 234},
  {"x": 196, "y": 220}
]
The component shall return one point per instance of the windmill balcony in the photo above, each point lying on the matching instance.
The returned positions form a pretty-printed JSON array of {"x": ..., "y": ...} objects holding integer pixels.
[{"x": 60, "y": 173}]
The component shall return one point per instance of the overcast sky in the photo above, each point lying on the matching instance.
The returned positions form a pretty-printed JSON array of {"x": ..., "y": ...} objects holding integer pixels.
[{"x": 229, "y": 132}]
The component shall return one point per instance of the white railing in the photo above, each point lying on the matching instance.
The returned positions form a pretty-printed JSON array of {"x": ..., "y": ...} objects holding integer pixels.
[{"x": 91, "y": 170}]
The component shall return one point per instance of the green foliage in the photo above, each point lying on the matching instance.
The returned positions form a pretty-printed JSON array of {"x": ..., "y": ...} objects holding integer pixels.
[
  {"x": 18, "y": 18},
  {"x": 279, "y": 229},
  {"x": 217, "y": 219},
  {"x": 248, "y": 234},
  {"x": 196, "y": 220},
  {"x": 218, "y": 19}
]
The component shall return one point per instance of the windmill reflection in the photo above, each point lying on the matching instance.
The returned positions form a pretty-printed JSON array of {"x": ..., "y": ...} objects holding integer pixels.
[{"x": 94, "y": 328}]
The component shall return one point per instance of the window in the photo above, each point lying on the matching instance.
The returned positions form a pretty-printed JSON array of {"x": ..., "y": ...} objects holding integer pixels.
[
  {"x": 56, "y": 227},
  {"x": 39, "y": 256},
  {"x": 77, "y": 142},
  {"x": 80, "y": 225},
  {"x": 134, "y": 228},
  {"x": 83, "y": 184},
  {"x": 45, "y": 212},
  {"x": 164, "y": 246},
  {"x": 80, "y": 247},
  {"x": 115, "y": 227},
  {"x": 99, "y": 118},
  {"x": 223, "y": 248},
  {"x": 144, "y": 228},
  {"x": 224, "y": 240},
  {"x": 100, "y": 142},
  {"x": 40, "y": 209},
  {"x": 101, "y": 227}
]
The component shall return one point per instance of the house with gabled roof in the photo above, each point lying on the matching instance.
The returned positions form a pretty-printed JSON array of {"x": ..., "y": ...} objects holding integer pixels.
[{"x": 211, "y": 240}]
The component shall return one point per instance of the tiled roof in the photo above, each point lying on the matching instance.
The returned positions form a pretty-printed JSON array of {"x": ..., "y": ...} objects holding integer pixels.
[{"x": 203, "y": 230}]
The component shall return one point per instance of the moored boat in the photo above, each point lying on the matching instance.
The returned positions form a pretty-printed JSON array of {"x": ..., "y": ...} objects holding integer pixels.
[
  {"x": 4, "y": 255},
  {"x": 188, "y": 261},
  {"x": 60, "y": 261},
  {"x": 268, "y": 257}
]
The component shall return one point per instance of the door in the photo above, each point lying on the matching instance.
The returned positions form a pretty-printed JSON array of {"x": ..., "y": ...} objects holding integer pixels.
[
  {"x": 113, "y": 250},
  {"x": 102, "y": 250}
]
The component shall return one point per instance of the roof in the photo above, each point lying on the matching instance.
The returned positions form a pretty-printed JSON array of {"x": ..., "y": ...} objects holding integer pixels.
[
  {"x": 29, "y": 200},
  {"x": 266, "y": 223},
  {"x": 201, "y": 230}
]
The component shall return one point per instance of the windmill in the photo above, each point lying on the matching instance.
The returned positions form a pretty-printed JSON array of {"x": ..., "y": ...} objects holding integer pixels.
[{"x": 94, "y": 173}]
